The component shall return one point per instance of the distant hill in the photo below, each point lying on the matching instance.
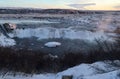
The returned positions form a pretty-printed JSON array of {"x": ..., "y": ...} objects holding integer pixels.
[{"x": 44, "y": 11}]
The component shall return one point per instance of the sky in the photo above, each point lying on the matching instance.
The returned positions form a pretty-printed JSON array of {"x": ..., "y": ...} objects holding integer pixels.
[{"x": 64, "y": 4}]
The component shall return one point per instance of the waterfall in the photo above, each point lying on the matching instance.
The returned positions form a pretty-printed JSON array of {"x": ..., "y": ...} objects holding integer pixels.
[{"x": 65, "y": 33}]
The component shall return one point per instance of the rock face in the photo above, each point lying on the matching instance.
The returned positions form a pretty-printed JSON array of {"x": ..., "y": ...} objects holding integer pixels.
[
  {"x": 52, "y": 44},
  {"x": 67, "y": 77},
  {"x": 9, "y": 26}
]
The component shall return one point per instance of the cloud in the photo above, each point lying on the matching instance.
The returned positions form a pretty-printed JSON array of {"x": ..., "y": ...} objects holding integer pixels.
[
  {"x": 81, "y": 6},
  {"x": 117, "y": 7}
]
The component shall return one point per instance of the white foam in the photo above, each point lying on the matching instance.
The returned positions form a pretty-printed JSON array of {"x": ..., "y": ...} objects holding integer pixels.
[{"x": 46, "y": 33}]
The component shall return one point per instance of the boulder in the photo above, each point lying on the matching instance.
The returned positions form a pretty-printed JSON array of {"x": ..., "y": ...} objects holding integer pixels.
[
  {"x": 67, "y": 77},
  {"x": 9, "y": 26}
]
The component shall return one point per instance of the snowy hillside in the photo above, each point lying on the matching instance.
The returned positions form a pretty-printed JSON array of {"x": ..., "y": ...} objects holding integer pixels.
[{"x": 98, "y": 70}]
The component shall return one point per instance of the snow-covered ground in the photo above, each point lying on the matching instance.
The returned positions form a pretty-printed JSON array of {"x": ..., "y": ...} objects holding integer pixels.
[
  {"x": 98, "y": 70},
  {"x": 4, "y": 41}
]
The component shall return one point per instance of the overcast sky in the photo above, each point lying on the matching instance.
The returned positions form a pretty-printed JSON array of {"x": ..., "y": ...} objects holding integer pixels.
[{"x": 66, "y": 4}]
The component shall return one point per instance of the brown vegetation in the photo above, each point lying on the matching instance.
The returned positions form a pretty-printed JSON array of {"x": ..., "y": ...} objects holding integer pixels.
[{"x": 35, "y": 61}]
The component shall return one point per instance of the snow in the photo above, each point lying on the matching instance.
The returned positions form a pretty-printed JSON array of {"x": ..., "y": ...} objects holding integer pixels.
[
  {"x": 41, "y": 76},
  {"x": 4, "y": 41},
  {"x": 110, "y": 75},
  {"x": 24, "y": 21},
  {"x": 52, "y": 44},
  {"x": 83, "y": 71},
  {"x": 97, "y": 70}
]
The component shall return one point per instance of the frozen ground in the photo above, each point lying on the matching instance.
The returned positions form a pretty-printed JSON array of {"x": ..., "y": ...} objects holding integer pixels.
[{"x": 98, "y": 70}]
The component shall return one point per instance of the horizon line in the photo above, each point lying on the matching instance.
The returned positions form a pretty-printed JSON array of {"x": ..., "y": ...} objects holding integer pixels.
[{"x": 52, "y": 8}]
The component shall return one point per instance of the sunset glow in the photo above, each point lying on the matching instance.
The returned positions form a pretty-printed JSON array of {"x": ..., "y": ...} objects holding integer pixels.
[{"x": 64, "y": 4}]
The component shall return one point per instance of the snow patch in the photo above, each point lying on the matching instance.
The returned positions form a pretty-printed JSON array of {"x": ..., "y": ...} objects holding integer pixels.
[
  {"x": 109, "y": 75},
  {"x": 4, "y": 41},
  {"x": 52, "y": 44}
]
